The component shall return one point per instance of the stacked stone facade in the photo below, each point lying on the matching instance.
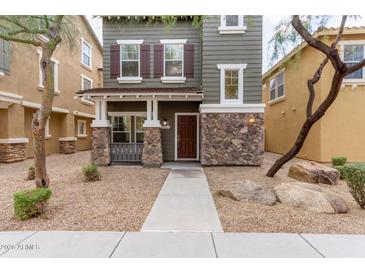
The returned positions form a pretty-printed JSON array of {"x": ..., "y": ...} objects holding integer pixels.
[
  {"x": 152, "y": 150},
  {"x": 67, "y": 147},
  {"x": 10, "y": 153},
  {"x": 100, "y": 146},
  {"x": 232, "y": 139}
]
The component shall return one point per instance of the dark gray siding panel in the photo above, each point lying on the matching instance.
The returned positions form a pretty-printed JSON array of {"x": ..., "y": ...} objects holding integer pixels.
[
  {"x": 151, "y": 34},
  {"x": 232, "y": 49}
]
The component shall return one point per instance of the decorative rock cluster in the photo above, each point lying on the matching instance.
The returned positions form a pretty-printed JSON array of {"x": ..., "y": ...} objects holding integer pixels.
[
  {"x": 100, "y": 146},
  {"x": 10, "y": 153},
  {"x": 152, "y": 150},
  {"x": 314, "y": 173},
  {"x": 231, "y": 139}
]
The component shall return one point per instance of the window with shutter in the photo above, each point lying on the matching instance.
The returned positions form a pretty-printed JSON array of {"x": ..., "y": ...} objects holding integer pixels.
[{"x": 130, "y": 61}]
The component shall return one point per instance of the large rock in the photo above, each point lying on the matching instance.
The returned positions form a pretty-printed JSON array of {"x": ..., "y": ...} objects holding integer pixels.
[
  {"x": 249, "y": 191},
  {"x": 314, "y": 173},
  {"x": 310, "y": 197}
]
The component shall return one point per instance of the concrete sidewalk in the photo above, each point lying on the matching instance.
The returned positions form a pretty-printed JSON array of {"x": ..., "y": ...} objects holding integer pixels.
[
  {"x": 185, "y": 203},
  {"x": 51, "y": 244}
]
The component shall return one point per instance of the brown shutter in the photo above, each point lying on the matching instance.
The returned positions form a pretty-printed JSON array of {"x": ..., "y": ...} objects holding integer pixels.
[
  {"x": 189, "y": 60},
  {"x": 158, "y": 60},
  {"x": 145, "y": 61},
  {"x": 114, "y": 61}
]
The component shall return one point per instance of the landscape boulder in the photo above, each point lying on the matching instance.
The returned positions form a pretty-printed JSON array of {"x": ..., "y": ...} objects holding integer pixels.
[
  {"x": 310, "y": 197},
  {"x": 314, "y": 173},
  {"x": 248, "y": 191}
]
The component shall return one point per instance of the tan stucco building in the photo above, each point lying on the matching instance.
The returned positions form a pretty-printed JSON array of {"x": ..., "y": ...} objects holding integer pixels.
[
  {"x": 341, "y": 131},
  {"x": 76, "y": 68}
]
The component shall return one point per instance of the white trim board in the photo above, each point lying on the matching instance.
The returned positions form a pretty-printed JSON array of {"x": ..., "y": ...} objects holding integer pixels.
[
  {"x": 173, "y": 41},
  {"x": 130, "y": 42},
  {"x": 36, "y": 105},
  {"x": 83, "y": 114},
  {"x": 67, "y": 139},
  {"x": 197, "y": 136},
  {"x": 14, "y": 140},
  {"x": 234, "y": 108}
]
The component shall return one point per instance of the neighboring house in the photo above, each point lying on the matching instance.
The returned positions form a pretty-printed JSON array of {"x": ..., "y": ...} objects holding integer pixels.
[
  {"x": 21, "y": 85},
  {"x": 175, "y": 93},
  {"x": 341, "y": 131}
]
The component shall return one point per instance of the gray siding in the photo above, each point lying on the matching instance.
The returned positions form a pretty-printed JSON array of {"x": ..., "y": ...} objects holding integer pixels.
[
  {"x": 151, "y": 34},
  {"x": 232, "y": 49}
]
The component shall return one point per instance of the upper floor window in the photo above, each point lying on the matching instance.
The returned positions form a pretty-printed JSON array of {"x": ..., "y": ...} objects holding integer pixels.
[
  {"x": 277, "y": 87},
  {"x": 86, "y": 54},
  {"x": 86, "y": 83},
  {"x": 173, "y": 60},
  {"x": 4, "y": 57},
  {"x": 353, "y": 54},
  {"x": 130, "y": 61},
  {"x": 231, "y": 83},
  {"x": 231, "y": 24},
  {"x": 81, "y": 128},
  {"x": 54, "y": 71}
]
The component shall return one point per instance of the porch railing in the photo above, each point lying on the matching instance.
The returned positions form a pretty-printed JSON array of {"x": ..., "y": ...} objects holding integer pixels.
[{"x": 126, "y": 152}]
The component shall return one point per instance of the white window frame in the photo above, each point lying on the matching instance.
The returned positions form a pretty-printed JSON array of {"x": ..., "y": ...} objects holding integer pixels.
[
  {"x": 130, "y": 121},
  {"x": 223, "y": 29},
  {"x": 275, "y": 78},
  {"x": 173, "y": 79},
  {"x": 47, "y": 134},
  {"x": 342, "y": 45},
  {"x": 83, "y": 77},
  {"x": 79, "y": 134},
  {"x": 83, "y": 41},
  {"x": 55, "y": 76},
  {"x": 130, "y": 80},
  {"x": 223, "y": 68}
]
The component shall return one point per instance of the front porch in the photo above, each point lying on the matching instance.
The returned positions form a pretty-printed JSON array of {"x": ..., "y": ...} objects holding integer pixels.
[{"x": 144, "y": 126}]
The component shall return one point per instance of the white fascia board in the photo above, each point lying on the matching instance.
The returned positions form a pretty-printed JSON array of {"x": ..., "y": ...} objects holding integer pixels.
[
  {"x": 173, "y": 41},
  {"x": 130, "y": 42},
  {"x": 232, "y": 108},
  {"x": 232, "y": 66},
  {"x": 10, "y": 97},
  {"x": 83, "y": 114},
  {"x": 14, "y": 141}
]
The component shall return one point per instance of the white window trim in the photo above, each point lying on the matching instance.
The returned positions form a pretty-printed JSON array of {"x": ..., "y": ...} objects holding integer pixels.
[
  {"x": 83, "y": 41},
  {"x": 223, "y": 29},
  {"x": 40, "y": 75},
  {"x": 130, "y": 131},
  {"x": 2, "y": 74},
  {"x": 47, "y": 134},
  {"x": 274, "y": 77},
  {"x": 197, "y": 135},
  {"x": 173, "y": 79},
  {"x": 342, "y": 53},
  {"x": 240, "y": 68},
  {"x": 86, "y": 78},
  {"x": 79, "y": 135},
  {"x": 127, "y": 79}
]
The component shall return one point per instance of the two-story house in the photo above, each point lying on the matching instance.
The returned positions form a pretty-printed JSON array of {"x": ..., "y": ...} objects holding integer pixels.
[
  {"x": 285, "y": 92},
  {"x": 21, "y": 85},
  {"x": 180, "y": 92}
]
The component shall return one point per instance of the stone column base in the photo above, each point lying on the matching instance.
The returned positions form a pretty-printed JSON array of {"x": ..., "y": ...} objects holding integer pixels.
[
  {"x": 68, "y": 145},
  {"x": 100, "y": 146},
  {"x": 152, "y": 150},
  {"x": 10, "y": 153},
  {"x": 232, "y": 139}
]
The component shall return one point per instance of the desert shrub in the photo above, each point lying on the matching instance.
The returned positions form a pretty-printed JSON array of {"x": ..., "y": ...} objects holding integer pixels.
[
  {"x": 341, "y": 170},
  {"x": 339, "y": 161},
  {"x": 31, "y": 173},
  {"x": 91, "y": 173},
  {"x": 30, "y": 203},
  {"x": 354, "y": 175}
]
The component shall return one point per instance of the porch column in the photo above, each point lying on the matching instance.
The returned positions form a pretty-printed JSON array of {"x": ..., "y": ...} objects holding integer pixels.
[
  {"x": 152, "y": 150},
  {"x": 101, "y": 134}
]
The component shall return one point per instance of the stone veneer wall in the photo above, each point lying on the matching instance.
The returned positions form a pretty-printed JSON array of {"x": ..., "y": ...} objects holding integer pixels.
[
  {"x": 100, "y": 145},
  {"x": 67, "y": 147},
  {"x": 229, "y": 139},
  {"x": 10, "y": 153},
  {"x": 152, "y": 150}
]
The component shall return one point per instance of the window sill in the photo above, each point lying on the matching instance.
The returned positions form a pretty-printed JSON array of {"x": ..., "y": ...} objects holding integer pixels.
[
  {"x": 86, "y": 66},
  {"x": 232, "y": 30},
  {"x": 130, "y": 80},
  {"x": 81, "y": 136},
  {"x": 2, "y": 74},
  {"x": 47, "y": 137},
  {"x": 277, "y": 100},
  {"x": 86, "y": 102},
  {"x": 173, "y": 80},
  {"x": 41, "y": 88}
]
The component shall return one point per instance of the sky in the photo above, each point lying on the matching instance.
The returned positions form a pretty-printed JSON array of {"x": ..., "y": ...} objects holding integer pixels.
[{"x": 270, "y": 21}]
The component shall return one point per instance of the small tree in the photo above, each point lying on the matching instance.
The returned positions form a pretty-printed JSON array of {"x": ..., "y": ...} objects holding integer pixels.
[
  {"x": 45, "y": 32},
  {"x": 283, "y": 34}
]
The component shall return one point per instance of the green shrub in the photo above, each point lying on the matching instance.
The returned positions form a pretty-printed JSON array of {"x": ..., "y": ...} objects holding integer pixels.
[
  {"x": 30, "y": 203},
  {"x": 339, "y": 161},
  {"x": 340, "y": 169},
  {"x": 31, "y": 173},
  {"x": 354, "y": 175},
  {"x": 91, "y": 173}
]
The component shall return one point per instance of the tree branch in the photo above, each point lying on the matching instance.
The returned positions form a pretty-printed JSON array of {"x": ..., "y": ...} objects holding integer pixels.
[
  {"x": 355, "y": 67},
  {"x": 20, "y": 40}
]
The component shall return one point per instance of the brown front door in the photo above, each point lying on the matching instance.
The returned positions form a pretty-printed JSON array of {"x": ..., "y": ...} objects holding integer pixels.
[{"x": 186, "y": 136}]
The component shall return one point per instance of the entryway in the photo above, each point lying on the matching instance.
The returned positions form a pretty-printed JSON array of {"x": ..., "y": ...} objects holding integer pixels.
[{"x": 187, "y": 136}]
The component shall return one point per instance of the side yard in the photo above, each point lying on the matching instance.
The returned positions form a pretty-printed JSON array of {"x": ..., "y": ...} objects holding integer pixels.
[
  {"x": 249, "y": 217},
  {"x": 121, "y": 201}
]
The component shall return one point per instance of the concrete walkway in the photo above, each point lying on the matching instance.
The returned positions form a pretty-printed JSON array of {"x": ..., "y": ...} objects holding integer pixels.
[
  {"x": 53, "y": 244},
  {"x": 185, "y": 203}
]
